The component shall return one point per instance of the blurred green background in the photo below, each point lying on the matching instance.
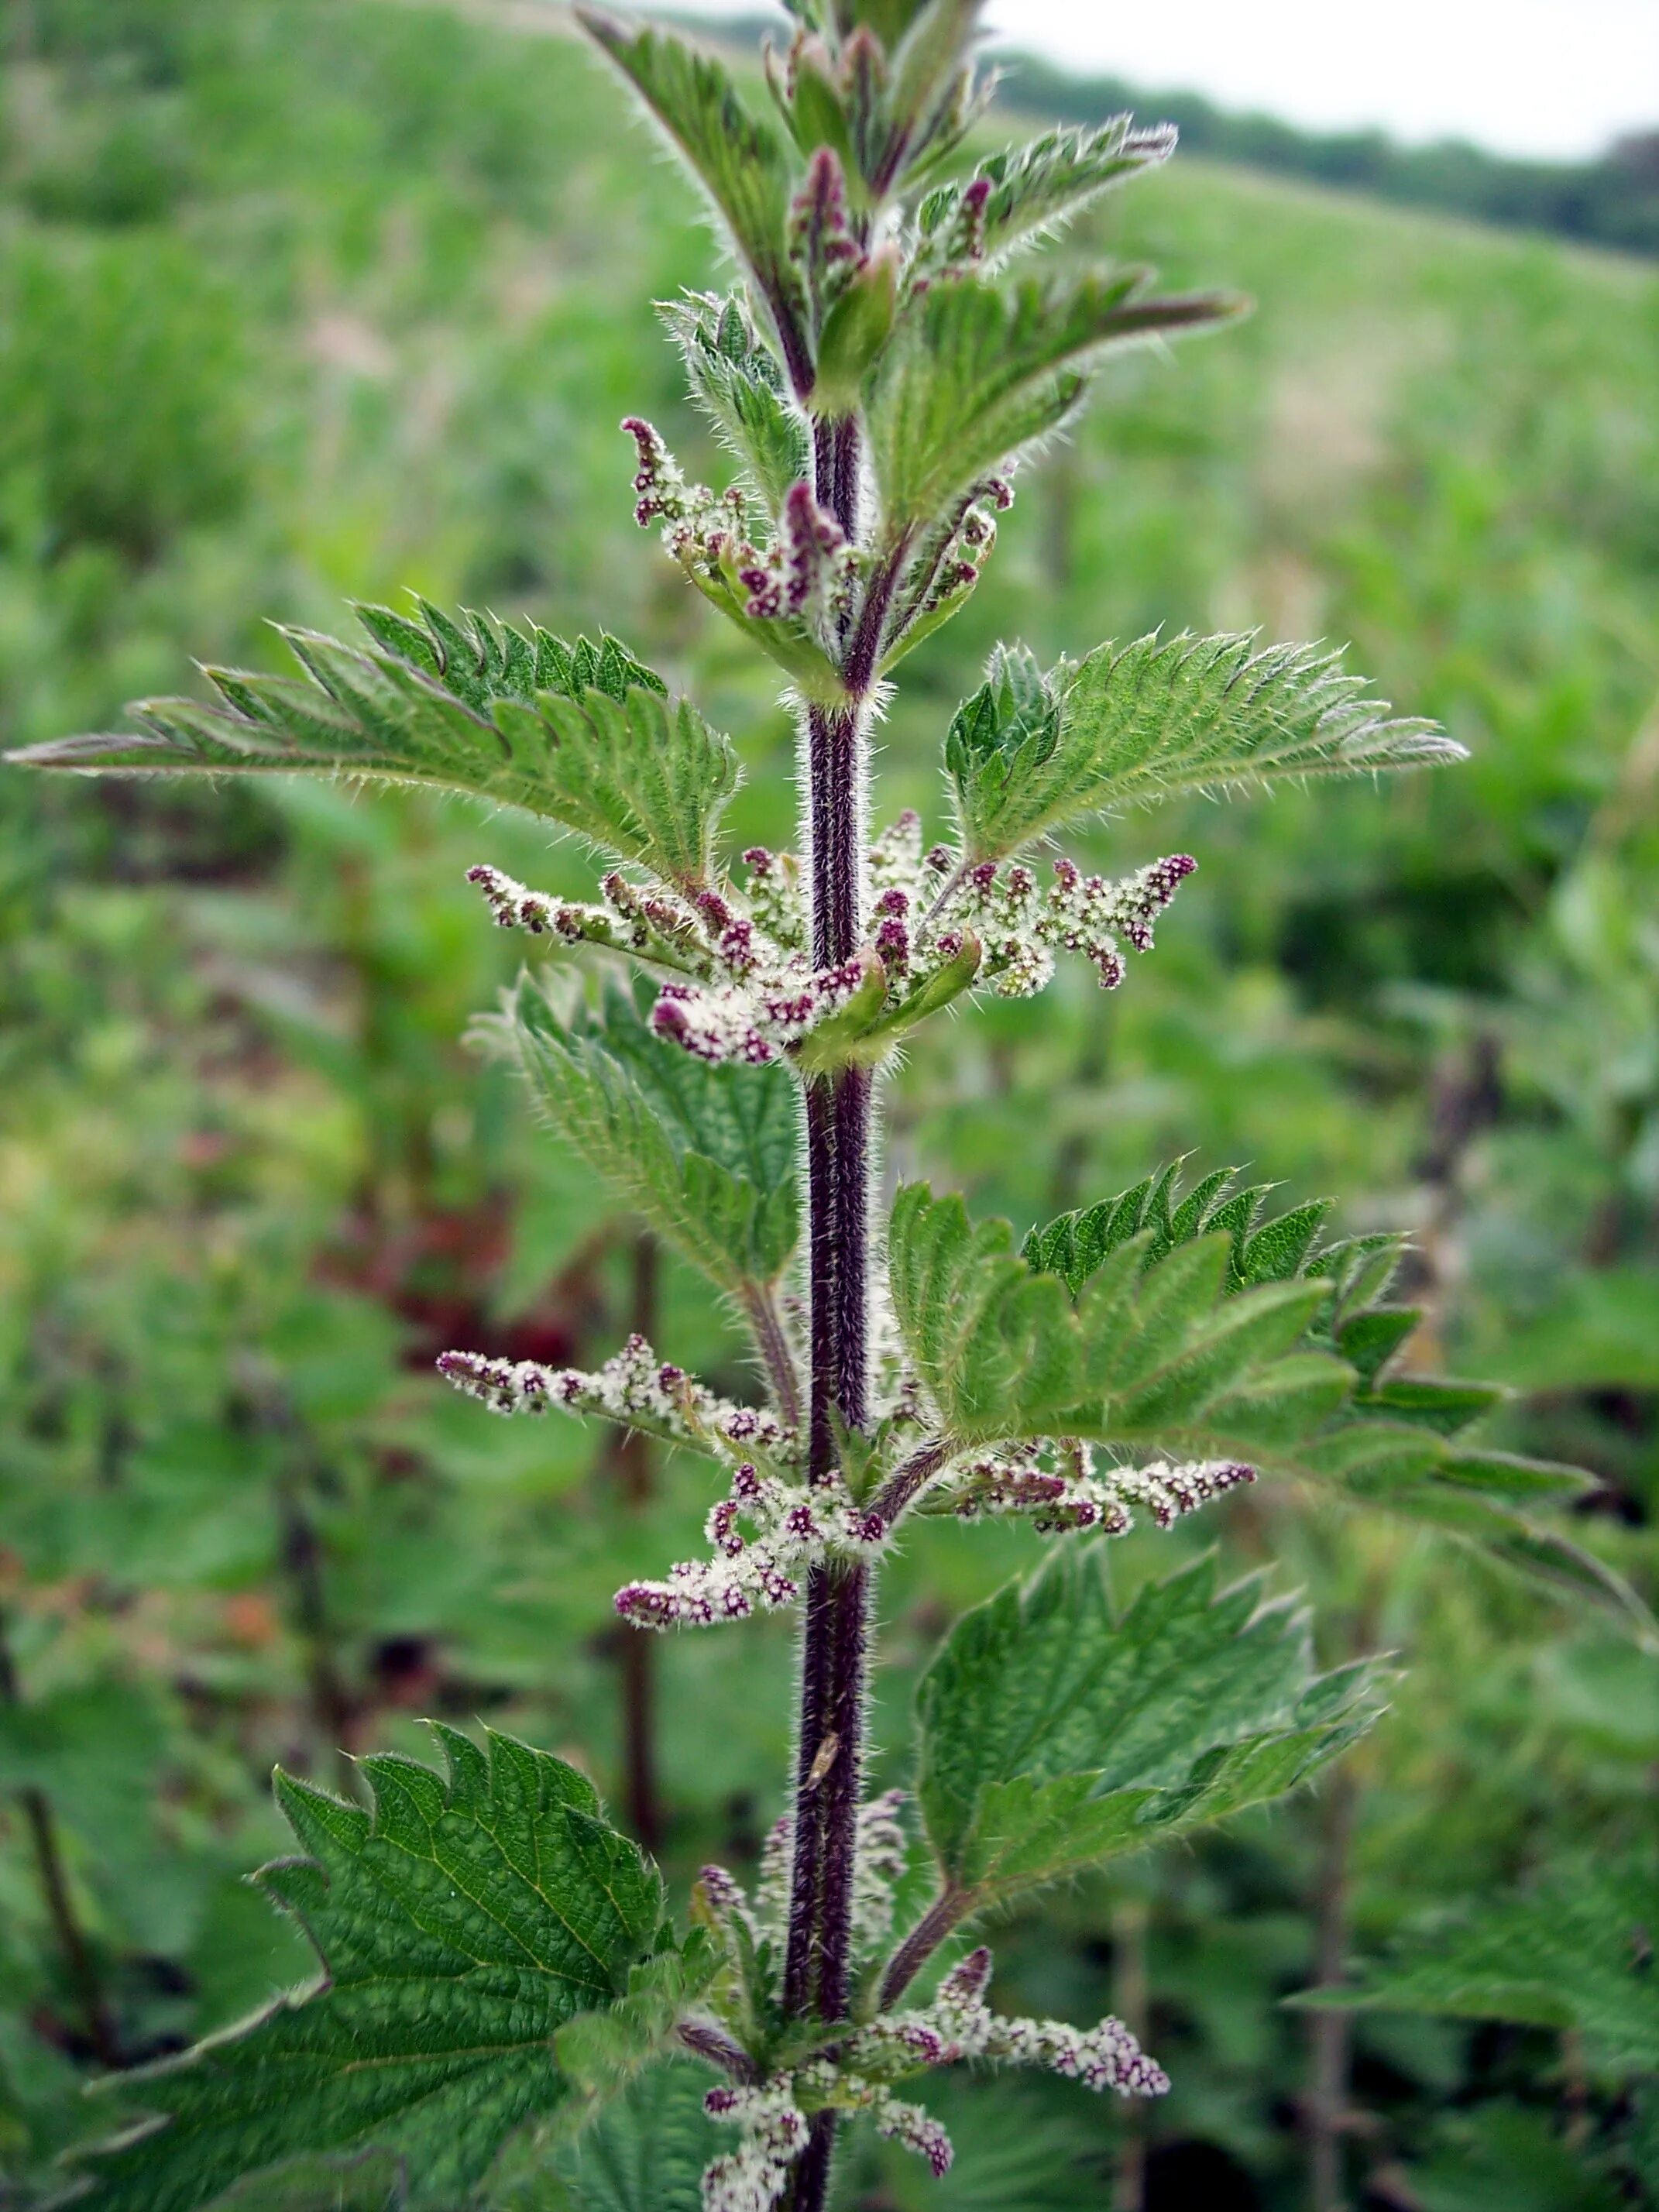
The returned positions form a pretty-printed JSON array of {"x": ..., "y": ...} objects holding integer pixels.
[{"x": 302, "y": 300}]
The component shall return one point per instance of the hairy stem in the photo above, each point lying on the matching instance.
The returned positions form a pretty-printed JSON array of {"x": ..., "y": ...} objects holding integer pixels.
[
  {"x": 766, "y": 1324},
  {"x": 839, "y": 1157},
  {"x": 45, "y": 1846},
  {"x": 920, "y": 1945}
]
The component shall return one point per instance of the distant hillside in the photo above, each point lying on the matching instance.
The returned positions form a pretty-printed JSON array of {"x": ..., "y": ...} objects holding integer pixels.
[{"x": 1612, "y": 202}]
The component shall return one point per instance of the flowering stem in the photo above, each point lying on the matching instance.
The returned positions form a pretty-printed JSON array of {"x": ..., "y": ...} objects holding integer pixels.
[{"x": 838, "y": 1119}]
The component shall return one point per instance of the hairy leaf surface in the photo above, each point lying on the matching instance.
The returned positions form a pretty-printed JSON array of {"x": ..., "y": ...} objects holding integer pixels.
[
  {"x": 1139, "y": 723},
  {"x": 1054, "y": 1736},
  {"x": 1153, "y": 1354},
  {"x": 975, "y": 373},
  {"x": 705, "y": 1154},
  {"x": 1037, "y": 188},
  {"x": 459, "y": 1927},
  {"x": 741, "y": 159},
  {"x": 582, "y": 735}
]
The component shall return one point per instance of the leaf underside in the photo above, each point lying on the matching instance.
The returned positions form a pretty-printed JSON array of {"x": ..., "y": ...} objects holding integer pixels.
[{"x": 705, "y": 1154}]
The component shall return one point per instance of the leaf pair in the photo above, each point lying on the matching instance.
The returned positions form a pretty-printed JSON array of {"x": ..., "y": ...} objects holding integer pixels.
[
  {"x": 1054, "y": 1736},
  {"x": 584, "y": 736},
  {"x": 1138, "y": 723}
]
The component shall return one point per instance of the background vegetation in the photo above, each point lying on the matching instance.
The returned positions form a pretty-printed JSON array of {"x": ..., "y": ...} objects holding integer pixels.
[{"x": 306, "y": 298}]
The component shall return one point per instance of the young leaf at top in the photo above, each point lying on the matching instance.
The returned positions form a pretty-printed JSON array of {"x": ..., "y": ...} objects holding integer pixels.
[
  {"x": 459, "y": 1927},
  {"x": 1144, "y": 722},
  {"x": 1032, "y": 192},
  {"x": 1054, "y": 1736},
  {"x": 975, "y": 372},
  {"x": 705, "y": 1154},
  {"x": 1575, "y": 1952},
  {"x": 582, "y": 735},
  {"x": 740, "y": 159}
]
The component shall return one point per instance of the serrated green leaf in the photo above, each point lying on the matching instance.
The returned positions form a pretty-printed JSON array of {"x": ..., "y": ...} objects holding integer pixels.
[
  {"x": 1054, "y": 1736},
  {"x": 705, "y": 1154},
  {"x": 459, "y": 1927},
  {"x": 1151, "y": 1349},
  {"x": 581, "y": 735},
  {"x": 739, "y": 158},
  {"x": 975, "y": 372},
  {"x": 1074, "y": 1245},
  {"x": 1148, "y": 721},
  {"x": 1037, "y": 188},
  {"x": 1575, "y": 1951}
]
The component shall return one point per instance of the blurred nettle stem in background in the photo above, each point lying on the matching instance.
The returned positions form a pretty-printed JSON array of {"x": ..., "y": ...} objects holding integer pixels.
[{"x": 506, "y": 1994}]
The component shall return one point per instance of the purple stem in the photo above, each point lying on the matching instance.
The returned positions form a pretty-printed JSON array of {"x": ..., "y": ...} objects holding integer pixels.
[
  {"x": 838, "y": 1110},
  {"x": 920, "y": 1945}
]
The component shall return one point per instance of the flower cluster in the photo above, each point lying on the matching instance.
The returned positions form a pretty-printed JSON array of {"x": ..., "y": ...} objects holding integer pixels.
[
  {"x": 806, "y": 572},
  {"x": 860, "y": 2077},
  {"x": 634, "y": 1388},
  {"x": 744, "y": 988},
  {"x": 753, "y": 2177},
  {"x": 926, "y": 902},
  {"x": 1054, "y": 1480},
  {"x": 792, "y": 1527},
  {"x": 764, "y": 1534},
  {"x": 757, "y": 1021}
]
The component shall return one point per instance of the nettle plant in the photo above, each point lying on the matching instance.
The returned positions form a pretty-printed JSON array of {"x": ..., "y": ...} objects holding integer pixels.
[{"x": 497, "y": 1956}]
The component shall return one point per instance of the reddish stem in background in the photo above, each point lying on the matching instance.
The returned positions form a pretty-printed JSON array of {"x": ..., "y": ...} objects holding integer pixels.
[{"x": 633, "y": 1463}]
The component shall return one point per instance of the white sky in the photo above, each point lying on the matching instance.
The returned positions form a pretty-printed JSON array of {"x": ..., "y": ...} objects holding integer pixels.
[{"x": 1553, "y": 77}]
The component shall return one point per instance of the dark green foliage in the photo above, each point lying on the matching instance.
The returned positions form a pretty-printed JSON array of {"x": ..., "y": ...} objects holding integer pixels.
[
  {"x": 1576, "y": 1951},
  {"x": 1055, "y": 1734},
  {"x": 458, "y": 1928}
]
